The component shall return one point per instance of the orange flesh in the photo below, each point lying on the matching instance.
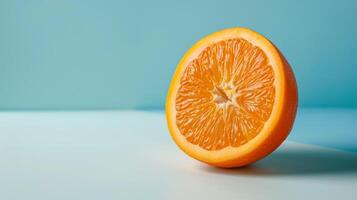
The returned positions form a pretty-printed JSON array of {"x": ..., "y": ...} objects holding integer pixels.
[{"x": 226, "y": 95}]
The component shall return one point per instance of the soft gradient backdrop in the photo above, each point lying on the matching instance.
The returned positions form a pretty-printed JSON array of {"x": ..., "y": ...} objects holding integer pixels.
[{"x": 71, "y": 54}]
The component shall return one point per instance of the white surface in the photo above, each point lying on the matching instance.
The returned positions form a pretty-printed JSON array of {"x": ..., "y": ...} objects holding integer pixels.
[{"x": 129, "y": 155}]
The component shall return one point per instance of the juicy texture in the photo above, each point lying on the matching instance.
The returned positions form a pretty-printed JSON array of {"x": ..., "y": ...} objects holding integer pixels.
[{"x": 226, "y": 95}]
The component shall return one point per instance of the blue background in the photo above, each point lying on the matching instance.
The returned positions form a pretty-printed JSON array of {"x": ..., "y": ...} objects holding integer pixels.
[{"x": 121, "y": 54}]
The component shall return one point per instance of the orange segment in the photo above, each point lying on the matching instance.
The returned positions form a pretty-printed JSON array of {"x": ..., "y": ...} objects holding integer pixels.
[{"x": 232, "y": 100}]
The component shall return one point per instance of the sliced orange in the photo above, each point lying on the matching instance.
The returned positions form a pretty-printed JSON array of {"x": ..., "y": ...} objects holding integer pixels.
[{"x": 232, "y": 99}]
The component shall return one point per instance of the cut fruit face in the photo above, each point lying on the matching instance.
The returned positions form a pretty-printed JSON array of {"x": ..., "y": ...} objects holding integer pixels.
[
  {"x": 224, "y": 100},
  {"x": 228, "y": 96}
]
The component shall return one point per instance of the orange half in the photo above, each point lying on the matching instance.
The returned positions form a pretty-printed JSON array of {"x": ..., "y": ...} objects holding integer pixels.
[{"x": 232, "y": 99}]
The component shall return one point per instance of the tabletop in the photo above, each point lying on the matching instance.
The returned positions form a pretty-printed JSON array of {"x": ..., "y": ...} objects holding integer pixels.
[{"x": 129, "y": 155}]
